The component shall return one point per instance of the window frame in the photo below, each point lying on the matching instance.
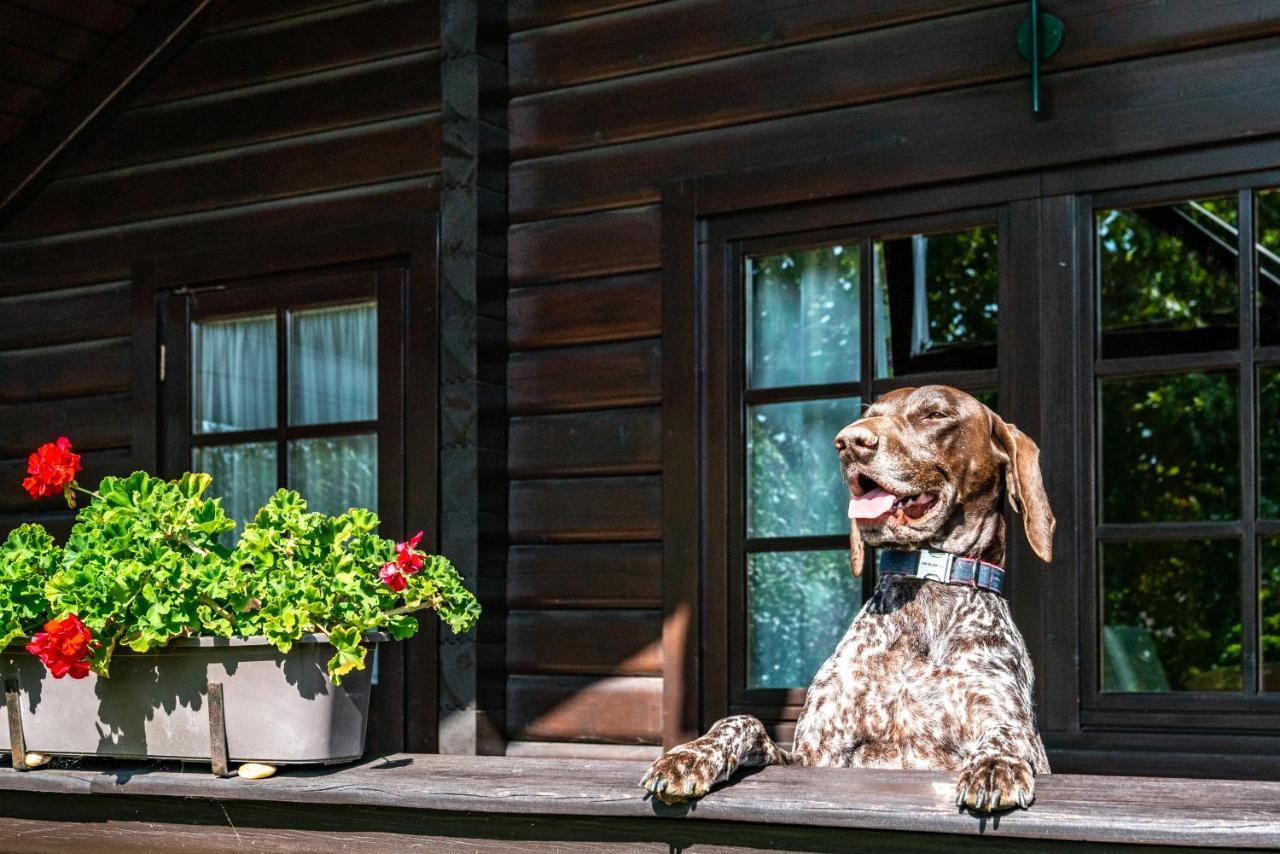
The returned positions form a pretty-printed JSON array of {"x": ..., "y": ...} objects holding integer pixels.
[
  {"x": 1251, "y": 711},
  {"x": 404, "y": 708}
]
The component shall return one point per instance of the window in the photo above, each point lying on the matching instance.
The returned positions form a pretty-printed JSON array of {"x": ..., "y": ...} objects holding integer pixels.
[
  {"x": 286, "y": 382},
  {"x": 827, "y": 323},
  {"x": 1185, "y": 397}
]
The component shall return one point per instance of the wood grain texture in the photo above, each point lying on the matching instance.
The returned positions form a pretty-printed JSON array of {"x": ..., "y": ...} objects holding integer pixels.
[
  {"x": 57, "y": 38},
  {"x": 951, "y": 52},
  {"x": 614, "y": 710},
  {"x": 343, "y": 36},
  {"x": 72, "y": 370},
  {"x": 406, "y": 148},
  {"x": 621, "y": 441},
  {"x": 37, "y": 68},
  {"x": 67, "y": 316},
  {"x": 589, "y": 643},
  {"x": 978, "y": 130},
  {"x": 92, "y": 423},
  {"x": 686, "y": 32},
  {"x": 104, "y": 17},
  {"x": 585, "y": 509},
  {"x": 99, "y": 464},
  {"x": 578, "y": 247},
  {"x": 1069, "y": 808},
  {"x": 525, "y": 14},
  {"x": 588, "y": 575},
  {"x": 238, "y": 14},
  {"x": 577, "y": 750},
  {"x": 298, "y": 106},
  {"x": 576, "y": 378},
  {"x": 617, "y": 308}
]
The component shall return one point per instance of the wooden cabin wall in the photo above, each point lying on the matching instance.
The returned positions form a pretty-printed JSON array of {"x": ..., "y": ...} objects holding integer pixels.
[
  {"x": 288, "y": 115},
  {"x": 612, "y": 98}
]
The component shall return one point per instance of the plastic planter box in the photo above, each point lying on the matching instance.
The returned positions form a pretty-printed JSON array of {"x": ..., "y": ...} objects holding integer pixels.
[{"x": 280, "y": 708}]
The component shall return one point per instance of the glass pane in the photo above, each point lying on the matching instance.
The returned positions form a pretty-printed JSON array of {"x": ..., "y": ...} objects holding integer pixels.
[
  {"x": 1171, "y": 616},
  {"x": 1170, "y": 448},
  {"x": 1269, "y": 595},
  {"x": 233, "y": 374},
  {"x": 244, "y": 477},
  {"x": 937, "y": 301},
  {"x": 799, "y": 605},
  {"x": 1269, "y": 442},
  {"x": 333, "y": 364},
  {"x": 1168, "y": 278},
  {"x": 794, "y": 482},
  {"x": 804, "y": 318},
  {"x": 1268, "y": 256},
  {"x": 335, "y": 474}
]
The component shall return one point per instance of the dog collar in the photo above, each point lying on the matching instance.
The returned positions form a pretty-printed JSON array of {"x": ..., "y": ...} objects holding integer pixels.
[{"x": 944, "y": 567}]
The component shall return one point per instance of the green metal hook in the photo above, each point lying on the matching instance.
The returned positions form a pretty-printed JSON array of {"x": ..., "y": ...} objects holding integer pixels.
[{"x": 1039, "y": 37}]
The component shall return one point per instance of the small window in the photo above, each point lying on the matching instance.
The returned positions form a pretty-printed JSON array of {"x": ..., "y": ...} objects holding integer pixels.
[
  {"x": 827, "y": 328},
  {"x": 1185, "y": 404}
]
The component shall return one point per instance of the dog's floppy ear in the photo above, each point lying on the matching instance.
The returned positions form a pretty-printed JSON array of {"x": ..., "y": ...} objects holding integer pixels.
[
  {"x": 856, "y": 549},
  {"x": 1025, "y": 485}
]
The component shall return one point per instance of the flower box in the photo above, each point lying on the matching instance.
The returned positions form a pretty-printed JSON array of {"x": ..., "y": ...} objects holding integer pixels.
[{"x": 279, "y": 708}]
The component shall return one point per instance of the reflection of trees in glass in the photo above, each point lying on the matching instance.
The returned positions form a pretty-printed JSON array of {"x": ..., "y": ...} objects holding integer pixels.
[
  {"x": 1269, "y": 596},
  {"x": 799, "y": 606},
  {"x": 1269, "y": 441},
  {"x": 1187, "y": 598},
  {"x": 794, "y": 483},
  {"x": 335, "y": 474},
  {"x": 804, "y": 317},
  {"x": 1169, "y": 267},
  {"x": 1269, "y": 267},
  {"x": 1170, "y": 448}
]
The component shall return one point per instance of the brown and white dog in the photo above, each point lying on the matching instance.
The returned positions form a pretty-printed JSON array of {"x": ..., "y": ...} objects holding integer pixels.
[{"x": 930, "y": 675}]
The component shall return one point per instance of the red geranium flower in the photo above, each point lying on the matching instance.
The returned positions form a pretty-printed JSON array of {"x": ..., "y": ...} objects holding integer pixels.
[
  {"x": 408, "y": 558},
  {"x": 393, "y": 577},
  {"x": 64, "y": 646},
  {"x": 52, "y": 469}
]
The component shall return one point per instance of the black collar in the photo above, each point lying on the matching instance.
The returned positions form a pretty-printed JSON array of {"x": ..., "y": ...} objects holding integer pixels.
[{"x": 944, "y": 567}]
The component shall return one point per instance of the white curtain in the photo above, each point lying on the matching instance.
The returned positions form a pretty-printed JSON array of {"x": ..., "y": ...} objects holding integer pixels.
[
  {"x": 234, "y": 374},
  {"x": 244, "y": 477},
  {"x": 333, "y": 365}
]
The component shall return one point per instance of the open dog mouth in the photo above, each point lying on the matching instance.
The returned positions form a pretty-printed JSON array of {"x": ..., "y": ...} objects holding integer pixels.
[{"x": 871, "y": 501}]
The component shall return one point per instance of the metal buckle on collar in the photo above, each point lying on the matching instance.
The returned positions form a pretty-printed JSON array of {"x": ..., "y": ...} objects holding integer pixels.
[{"x": 935, "y": 565}]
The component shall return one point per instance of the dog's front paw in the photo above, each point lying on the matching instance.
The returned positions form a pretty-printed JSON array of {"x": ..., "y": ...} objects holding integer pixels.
[
  {"x": 992, "y": 783},
  {"x": 684, "y": 773}
]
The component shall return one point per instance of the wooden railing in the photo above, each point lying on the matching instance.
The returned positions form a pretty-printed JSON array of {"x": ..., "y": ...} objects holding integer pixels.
[{"x": 420, "y": 802}]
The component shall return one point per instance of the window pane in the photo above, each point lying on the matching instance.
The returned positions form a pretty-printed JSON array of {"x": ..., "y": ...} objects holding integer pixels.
[
  {"x": 1268, "y": 255},
  {"x": 1170, "y": 448},
  {"x": 937, "y": 301},
  {"x": 794, "y": 482},
  {"x": 233, "y": 374},
  {"x": 1270, "y": 599},
  {"x": 244, "y": 477},
  {"x": 1171, "y": 616},
  {"x": 799, "y": 605},
  {"x": 1168, "y": 278},
  {"x": 336, "y": 474},
  {"x": 333, "y": 364},
  {"x": 1269, "y": 441},
  {"x": 804, "y": 318}
]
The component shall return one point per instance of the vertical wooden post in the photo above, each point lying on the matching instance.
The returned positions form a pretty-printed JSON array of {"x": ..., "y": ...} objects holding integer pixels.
[
  {"x": 17, "y": 741},
  {"x": 218, "y": 732}
]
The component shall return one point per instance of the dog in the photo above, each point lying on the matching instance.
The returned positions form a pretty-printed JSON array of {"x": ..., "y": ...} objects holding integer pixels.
[{"x": 932, "y": 674}]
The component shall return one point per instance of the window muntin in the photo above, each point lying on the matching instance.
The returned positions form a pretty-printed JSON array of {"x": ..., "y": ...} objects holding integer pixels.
[
  {"x": 319, "y": 436},
  {"x": 813, "y": 355},
  {"x": 1268, "y": 261},
  {"x": 1183, "y": 448}
]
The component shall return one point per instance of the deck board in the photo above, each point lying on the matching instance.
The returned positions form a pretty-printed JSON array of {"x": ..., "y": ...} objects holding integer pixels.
[{"x": 1069, "y": 808}]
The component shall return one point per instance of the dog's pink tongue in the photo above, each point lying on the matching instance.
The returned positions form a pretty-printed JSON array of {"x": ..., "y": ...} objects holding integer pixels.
[{"x": 871, "y": 504}]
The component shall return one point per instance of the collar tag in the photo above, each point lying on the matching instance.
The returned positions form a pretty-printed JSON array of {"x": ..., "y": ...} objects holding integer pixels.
[{"x": 934, "y": 565}]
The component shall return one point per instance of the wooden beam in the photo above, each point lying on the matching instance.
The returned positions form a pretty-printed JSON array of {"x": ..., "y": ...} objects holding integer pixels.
[{"x": 158, "y": 30}]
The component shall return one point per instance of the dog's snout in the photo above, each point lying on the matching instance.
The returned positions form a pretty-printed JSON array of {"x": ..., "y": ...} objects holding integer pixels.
[{"x": 857, "y": 439}]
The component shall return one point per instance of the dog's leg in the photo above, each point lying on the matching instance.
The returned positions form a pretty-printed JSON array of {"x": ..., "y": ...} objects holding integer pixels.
[
  {"x": 689, "y": 770},
  {"x": 1001, "y": 772}
]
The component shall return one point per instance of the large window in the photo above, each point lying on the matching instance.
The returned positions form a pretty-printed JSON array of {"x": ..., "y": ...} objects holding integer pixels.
[
  {"x": 1185, "y": 399},
  {"x": 826, "y": 325}
]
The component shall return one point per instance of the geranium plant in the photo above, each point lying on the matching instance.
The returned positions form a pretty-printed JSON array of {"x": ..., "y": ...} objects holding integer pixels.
[{"x": 144, "y": 564}]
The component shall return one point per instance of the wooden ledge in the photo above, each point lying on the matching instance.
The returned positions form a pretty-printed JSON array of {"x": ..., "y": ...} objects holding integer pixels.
[{"x": 481, "y": 793}]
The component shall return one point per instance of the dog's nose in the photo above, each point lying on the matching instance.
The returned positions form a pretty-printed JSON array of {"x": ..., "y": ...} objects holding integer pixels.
[{"x": 858, "y": 438}]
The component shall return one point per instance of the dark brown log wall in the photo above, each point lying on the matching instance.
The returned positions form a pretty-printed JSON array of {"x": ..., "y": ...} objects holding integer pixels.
[
  {"x": 294, "y": 114},
  {"x": 613, "y": 98}
]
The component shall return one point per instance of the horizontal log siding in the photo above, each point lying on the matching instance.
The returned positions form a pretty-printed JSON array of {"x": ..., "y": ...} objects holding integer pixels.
[
  {"x": 612, "y": 98},
  {"x": 309, "y": 114}
]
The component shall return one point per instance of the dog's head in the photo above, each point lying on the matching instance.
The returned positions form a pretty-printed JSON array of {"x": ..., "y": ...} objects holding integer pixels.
[{"x": 927, "y": 467}]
